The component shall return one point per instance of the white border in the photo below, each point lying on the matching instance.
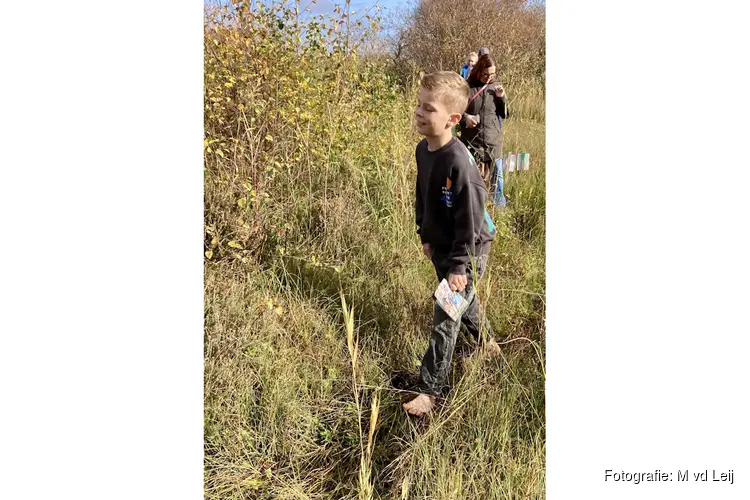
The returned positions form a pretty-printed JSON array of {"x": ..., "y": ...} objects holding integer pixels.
[
  {"x": 647, "y": 250},
  {"x": 102, "y": 366}
]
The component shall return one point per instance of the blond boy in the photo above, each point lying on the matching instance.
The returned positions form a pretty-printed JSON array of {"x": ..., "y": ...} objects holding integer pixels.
[
  {"x": 471, "y": 60},
  {"x": 452, "y": 223}
]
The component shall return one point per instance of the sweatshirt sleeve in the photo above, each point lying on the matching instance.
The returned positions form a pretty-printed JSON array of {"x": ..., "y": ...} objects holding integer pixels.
[
  {"x": 468, "y": 214},
  {"x": 419, "y": 211}
]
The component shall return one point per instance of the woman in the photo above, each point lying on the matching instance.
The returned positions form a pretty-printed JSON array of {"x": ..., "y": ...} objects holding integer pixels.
[{"x": 481, "y": 124}]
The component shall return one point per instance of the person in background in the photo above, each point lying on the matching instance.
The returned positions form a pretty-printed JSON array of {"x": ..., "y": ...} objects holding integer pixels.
[
  {"x": 481, "y": 123},
  {"x": 471, "y": 60},
  {"x": 484, "y": 51}
]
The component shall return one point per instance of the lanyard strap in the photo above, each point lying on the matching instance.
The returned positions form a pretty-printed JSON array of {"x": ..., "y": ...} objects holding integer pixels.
[{"x": 478, "y": 92}]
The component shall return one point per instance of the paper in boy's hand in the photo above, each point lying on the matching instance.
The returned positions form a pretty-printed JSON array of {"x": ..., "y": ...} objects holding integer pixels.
[{"x": 449, "y": 301}]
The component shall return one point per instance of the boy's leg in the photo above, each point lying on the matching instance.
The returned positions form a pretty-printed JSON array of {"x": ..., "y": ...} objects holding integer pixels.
[{"x": 437, "y": 360}]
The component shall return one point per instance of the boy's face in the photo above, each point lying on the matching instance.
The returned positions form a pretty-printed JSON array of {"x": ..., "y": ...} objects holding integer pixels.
[
  {"x": 432, "y": 116},
  {"x": 472, "y": 60}
]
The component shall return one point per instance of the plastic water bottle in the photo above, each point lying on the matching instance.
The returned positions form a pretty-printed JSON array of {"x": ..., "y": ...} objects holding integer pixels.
[
  {"x": 523, "y": 162},
  {"x": 511, "y": 162}
]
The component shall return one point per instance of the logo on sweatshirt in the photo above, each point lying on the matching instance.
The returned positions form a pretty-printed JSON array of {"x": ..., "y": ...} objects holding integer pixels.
[{"x": 447, "y": 197}]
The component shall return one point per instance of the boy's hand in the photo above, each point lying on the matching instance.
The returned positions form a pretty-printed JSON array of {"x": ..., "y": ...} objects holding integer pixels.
[
  {"x": 457, "y": 282},
  {"x": 470, "y": 121},
  {"x": 427, "y": 250}
]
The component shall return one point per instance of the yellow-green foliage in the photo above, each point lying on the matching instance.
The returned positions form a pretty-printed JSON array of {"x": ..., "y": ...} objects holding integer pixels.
[{"x": 309, "y": 195}]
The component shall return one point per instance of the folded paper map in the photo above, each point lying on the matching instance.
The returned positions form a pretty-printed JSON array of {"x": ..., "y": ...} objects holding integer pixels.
[{"x": 449, "y": 301}]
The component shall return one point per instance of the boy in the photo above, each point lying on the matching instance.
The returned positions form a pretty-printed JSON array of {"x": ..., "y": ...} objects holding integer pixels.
[
  {"x": 452, "y": 222},
  {"x": 471, "y": 60}
]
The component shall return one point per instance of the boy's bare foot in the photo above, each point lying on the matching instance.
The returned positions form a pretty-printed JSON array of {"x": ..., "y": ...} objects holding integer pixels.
[{"x": 421, "y": 405}]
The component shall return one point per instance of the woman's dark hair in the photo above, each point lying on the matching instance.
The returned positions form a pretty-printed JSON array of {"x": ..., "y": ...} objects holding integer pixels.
[{"x": 483, "y": 63}]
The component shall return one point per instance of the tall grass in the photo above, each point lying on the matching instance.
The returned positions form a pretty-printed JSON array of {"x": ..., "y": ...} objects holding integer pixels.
[{"x": 309, "y": 184}]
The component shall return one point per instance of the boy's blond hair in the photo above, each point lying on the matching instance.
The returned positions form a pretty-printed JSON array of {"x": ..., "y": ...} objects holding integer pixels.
[{"x": 449, "y": 88}]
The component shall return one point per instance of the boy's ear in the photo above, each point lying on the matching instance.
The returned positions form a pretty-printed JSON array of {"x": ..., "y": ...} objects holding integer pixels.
[{"x": 454, "y": 119}]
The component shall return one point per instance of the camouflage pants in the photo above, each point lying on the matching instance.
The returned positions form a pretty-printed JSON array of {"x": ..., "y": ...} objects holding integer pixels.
[{"x": 437, "y": 360}]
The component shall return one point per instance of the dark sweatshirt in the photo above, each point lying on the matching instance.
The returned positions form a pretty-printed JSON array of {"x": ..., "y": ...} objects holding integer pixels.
[{"x": 450, "y": 204}]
